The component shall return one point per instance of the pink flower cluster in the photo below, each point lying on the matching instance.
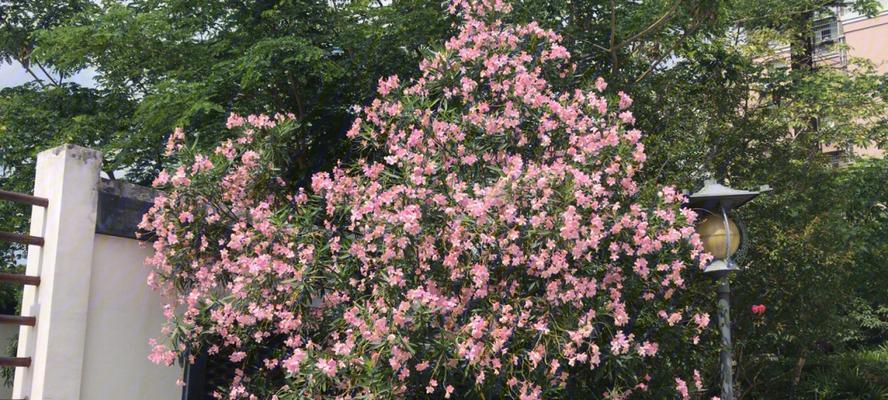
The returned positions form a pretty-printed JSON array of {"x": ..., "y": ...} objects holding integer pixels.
[
  {"x": 494, "y": 241},
  {"x": 758, "y": 309}
]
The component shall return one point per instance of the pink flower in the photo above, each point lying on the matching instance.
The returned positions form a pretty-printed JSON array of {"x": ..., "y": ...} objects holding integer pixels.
[
  {"x": 234, "y": 120},
  {"x": 535, "y": 356},
  {"x": 625, "y": 100},
  {"x": 430, "y": 388},
  {"x": 647, "y": 349},
  {"x": 387, "y": 85},
  {"x": 682, "y": 388},
  {"x": 249, "y": 158},
  {"x": 186, "y": 216},
  {"x": 698, "y": 380},
  {"x": 162, "y": 179},
  {"x": 702, "y": 320},
  {"x": 292, "y": 363},
  {"x": 758, "y": 309},
  {"x": 237, "y": 356},
  {"x": 160, "y": 354},
  {"x": 627, "y": 117},
  {"x": 673, "y": 318},
  {"x": 468, "y": 85},
  {"x": 201, "y": 164},
  {"x": 327, "y": 367},
  {"x": 261, "y": 121},
  {"x": 600, "y": 84},
  {"x": 175, "y": 141},
  {"x": 355, "y": 128},
  {"x": 620, "y": 343}
]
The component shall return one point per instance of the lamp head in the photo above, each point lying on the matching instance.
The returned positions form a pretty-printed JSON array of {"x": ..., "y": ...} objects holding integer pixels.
[
  {"x": 715, "y": 197},
  {"x": 718, "y": 269},
  {"x": 720, "y": 241},
  {"x": 720, "y": 235}
]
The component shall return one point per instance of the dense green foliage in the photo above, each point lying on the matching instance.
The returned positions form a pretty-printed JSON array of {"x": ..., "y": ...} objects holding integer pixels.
[
  {"x": 711, "y": 93},
  {"x": 162, "y": 64}
]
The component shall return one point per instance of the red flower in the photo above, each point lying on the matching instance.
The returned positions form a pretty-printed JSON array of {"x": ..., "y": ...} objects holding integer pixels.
[{"x": 758, "y": 309}]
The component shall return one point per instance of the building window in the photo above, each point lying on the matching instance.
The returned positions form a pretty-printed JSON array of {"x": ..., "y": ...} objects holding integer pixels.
[{"x": 826, "y": 30}]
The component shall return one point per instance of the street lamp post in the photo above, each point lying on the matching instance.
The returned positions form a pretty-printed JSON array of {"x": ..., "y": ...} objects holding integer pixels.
[{"x": 722, "y": 238}]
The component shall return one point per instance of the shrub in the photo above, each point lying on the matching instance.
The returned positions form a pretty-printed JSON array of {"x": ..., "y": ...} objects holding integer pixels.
[{"x": 490, "y": 242}]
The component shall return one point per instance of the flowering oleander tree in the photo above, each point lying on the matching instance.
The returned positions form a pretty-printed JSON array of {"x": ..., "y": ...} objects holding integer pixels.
[{"x": 490, "y": 242}]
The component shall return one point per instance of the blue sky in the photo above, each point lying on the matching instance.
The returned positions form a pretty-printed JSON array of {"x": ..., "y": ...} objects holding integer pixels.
[{"x": 14, "y": 75}]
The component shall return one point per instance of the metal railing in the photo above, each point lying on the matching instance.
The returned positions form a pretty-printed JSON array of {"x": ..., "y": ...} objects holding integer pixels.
[
  {"x": 22, "y": 279},
  {"x": 24, "y": 198},
  {"x": 21, "y": 239}
]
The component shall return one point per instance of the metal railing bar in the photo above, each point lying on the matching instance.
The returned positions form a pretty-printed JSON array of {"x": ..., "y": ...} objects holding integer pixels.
[
  {"x": 17, "y": 320},
  {"x": 24, "y": 198},
  {"x": 15, "y": 361},
  {"x": 20, "y": 278},
  {"x": 19, "y": 238}
]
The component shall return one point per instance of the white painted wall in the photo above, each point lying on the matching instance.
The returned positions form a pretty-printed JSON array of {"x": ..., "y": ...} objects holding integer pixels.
[
  {"x": 67, "y": 176},
  {"x": 94, "y": 310},
  {"x": 123, "y": 314}
]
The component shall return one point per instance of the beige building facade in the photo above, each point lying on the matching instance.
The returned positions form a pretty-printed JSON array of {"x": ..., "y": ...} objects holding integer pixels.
[
  {"x": 841, "y": 38},
  {"x": 848, "y": 36},
  {"x": 868, "y": 37}
]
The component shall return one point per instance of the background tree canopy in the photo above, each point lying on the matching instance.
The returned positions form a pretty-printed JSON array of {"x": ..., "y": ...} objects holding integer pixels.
[{"x": 706, "y": 95}]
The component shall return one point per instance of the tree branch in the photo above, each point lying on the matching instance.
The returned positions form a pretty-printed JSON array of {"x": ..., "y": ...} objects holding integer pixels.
[
  {"x": 48, "y": 76},
  {"x": 659, "y": 22},
  {"x": 672, "y": 48},
  {"x": 27, "y": 68},
  {"x": 293, "y": 88},
  {"x": 599, "y": 47}
]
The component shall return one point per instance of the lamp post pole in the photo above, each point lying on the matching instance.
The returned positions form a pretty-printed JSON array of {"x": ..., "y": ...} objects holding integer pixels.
[
  {"x": 716, "y": 233},
  {"x": 724, "y": 318},
  {"x": 724, "y": 326}
]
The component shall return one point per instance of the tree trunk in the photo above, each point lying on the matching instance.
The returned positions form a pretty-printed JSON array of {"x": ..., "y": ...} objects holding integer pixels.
[{"x": 801, "y": 53}]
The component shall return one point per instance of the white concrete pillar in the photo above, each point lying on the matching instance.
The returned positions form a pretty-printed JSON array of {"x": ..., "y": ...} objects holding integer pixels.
[{"x": 68, "y": 176}]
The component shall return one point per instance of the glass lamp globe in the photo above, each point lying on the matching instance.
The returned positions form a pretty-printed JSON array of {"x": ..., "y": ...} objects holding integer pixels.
[{"x": 714, "y": 236}]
